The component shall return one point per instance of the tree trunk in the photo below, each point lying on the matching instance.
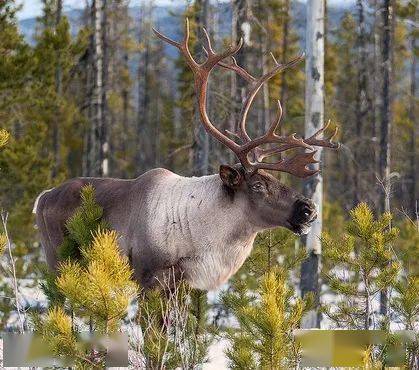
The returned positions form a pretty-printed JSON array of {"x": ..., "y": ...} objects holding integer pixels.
[
  {"x": 386, "y": 119},
  {"x": 86, "y": 64},
  {"x": 266, "y": 121},
  {"x": 362, "y": 105},
  {"x": 314, "y": 117},
  {"x": 233, "y": 80},
  {"x": 376, "y": 102},
  {"x": 125, "y": 89},
  {"x": 125, "y": 143},
  {"x": 412, "y": 206},
  {"x": 104, "y": 131},
  {"x": 201, "y": 144},
  {"x": 285, "y": 41},
  {"x": 96, "y": 99},
  {"x": 143, "y": 141},
  {"x": 241, "y": 28},
  {"x": 58, "y": 90}
]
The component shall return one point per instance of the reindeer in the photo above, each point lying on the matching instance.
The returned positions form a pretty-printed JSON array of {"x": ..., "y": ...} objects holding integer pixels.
[{"x": 203, "y": 228}]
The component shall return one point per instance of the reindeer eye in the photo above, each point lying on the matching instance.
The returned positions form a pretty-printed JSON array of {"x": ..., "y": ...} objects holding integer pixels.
[{"x": 257, "y": 186}]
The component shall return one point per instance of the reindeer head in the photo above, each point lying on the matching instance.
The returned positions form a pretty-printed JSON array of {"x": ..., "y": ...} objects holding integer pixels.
[{"x": 270, "y": 203}]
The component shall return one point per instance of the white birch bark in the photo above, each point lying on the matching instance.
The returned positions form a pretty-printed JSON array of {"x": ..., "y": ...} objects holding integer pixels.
[
  {"x": 314, "y": 118},
  {"x": 97, "y": 94}
]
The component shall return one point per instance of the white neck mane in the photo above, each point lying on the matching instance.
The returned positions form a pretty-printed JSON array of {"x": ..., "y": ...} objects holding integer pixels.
[{"x": 210, "y": 229}]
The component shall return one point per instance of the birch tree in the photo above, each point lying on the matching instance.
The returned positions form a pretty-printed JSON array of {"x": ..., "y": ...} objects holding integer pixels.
[
  {"x": 96, "y": 164},
  {"x": 314, "y": 116},
  {"x": 104, "y": 124}
]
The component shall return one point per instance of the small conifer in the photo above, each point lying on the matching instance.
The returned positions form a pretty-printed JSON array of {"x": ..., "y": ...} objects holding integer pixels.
[
  {"x": 4, "y": 137},
  {"x": 103, "y": 287},
  {"x": 58, "y": 331},
  {"x": 405, "y": 306},
  {"x": 3, "y": 243},
  {"x": 95, "y": 282},
  {"x": 81, "y": 226},
  {"x": 364, "y": 264},
  {"x": 266, "y": 325}
]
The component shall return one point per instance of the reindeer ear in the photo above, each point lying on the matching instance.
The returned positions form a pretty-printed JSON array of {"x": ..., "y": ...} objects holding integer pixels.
[{"x": 230, "y": 176}]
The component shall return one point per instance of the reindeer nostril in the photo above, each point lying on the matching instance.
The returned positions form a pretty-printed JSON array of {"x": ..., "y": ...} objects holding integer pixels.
[{"x": 304, "y": 211}]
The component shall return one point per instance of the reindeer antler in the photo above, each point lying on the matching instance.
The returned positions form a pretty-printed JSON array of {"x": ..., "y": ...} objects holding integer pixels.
[{"x": 295, "y": 165}]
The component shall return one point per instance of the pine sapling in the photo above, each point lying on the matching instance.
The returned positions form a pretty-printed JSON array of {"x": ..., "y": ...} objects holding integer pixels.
[
  {"x": 405, "y": 307},
  {"x": 4, "y": 137},
  {"x": 95, "y": 283},
  {"x": 266, "y": 325},
  {"x": 364, "y": 265}
]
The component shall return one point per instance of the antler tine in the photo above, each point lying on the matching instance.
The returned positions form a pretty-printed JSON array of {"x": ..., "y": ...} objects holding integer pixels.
[
  {"x": 273, "y": 57},
  {"x": 277, "y": 121},
  {"x": 295, "y": 165},
  {"x": 326, "y": 142},
  {"x": 294, "y": 143},
  {"x": 239, "y": 70},
  {"x": 234, "y": 67},
  {"x": 214, "y": 58},
  {"x": 233, "y": 134},
  {"x": 210, "y": 50},
  {"x": 261, "y": 153},
  {"x": 258, "y": 84},
  {"x": 167, "y": 39},
  {"x": 289, "y": 142},
  {"x": 182, "y": 46}
]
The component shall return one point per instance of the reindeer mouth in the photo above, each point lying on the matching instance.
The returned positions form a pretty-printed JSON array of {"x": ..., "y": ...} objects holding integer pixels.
[{"x": 300, "y": 229}]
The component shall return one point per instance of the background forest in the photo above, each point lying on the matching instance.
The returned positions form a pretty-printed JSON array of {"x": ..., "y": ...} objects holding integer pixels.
[{"x": 93, "y": 92}]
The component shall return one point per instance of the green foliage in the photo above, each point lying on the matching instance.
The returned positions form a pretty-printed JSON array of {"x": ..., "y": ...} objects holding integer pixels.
[
  {"x": 5, "y": 289},
  {"x": 4, "y": 137},
  {"x": 406, "y": 246},
  {"x": 104, "y": 287},
  {"x": 31, "y": 105},
  {"x": 80, "y": 226},
  {"x": 185, "y": 86},
  {"x": 284, "y": 44},
  {"x": 405, "y": 305},
  {"x": 406, "y": 302},
  {"x": 265, "y": 306},
  {"x": 270, "y": 248},
  {"x": 3, "y": 243},
  {"x": 93, "y": 277},
  {"x": 266, "y": 325},
  {"x": 241, "y": 354},
  {"x": 49, "y": 287},
  {"x": 57, "y": 329},
  {"x": 364, "y": 253},
  {"x": 97, "y": 285},
  {"x": 62, "y": 341}
]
